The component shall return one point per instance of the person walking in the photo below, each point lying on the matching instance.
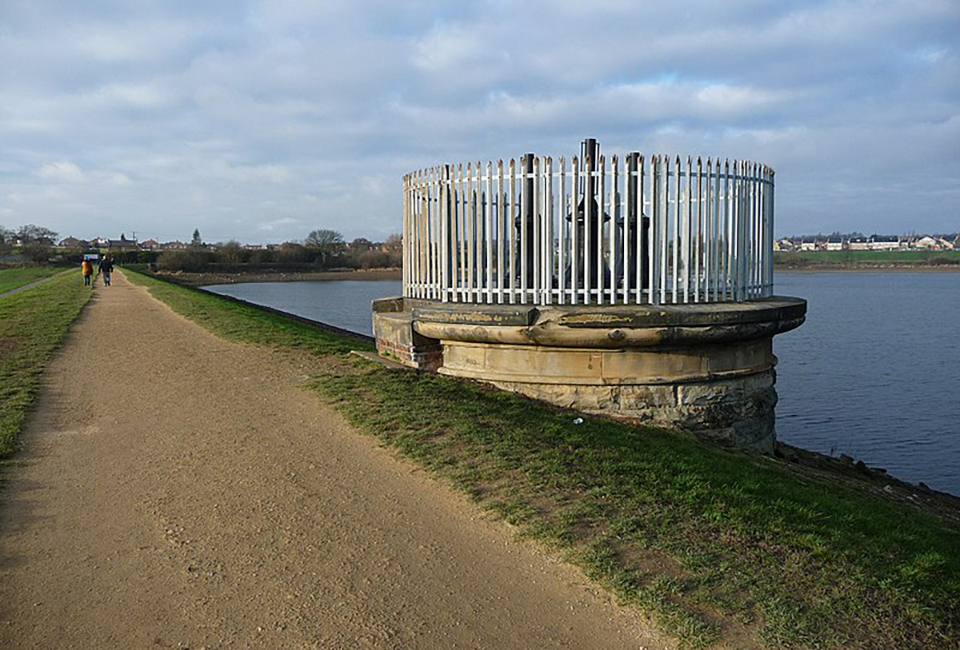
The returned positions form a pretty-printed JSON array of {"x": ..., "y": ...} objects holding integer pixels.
[
  {"x": 106, "y": 268},
  {"x": 87, "y": 268}
]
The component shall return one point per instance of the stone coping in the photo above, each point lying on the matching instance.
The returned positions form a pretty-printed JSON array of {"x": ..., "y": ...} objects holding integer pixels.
[
  {"x": 782, "y": 308},
  {"x": 606, "y": 327}
]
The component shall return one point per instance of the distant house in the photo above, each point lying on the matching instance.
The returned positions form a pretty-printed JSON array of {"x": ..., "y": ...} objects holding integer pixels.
[
  {"x": 833, "y": 243},
  {"x": 858, "y": 244},
  {"x": 150, "y": 245},
  {"x": 928, "y": 243},
  {"x": 884, "y": 243},
  {"x": 73, "y": 242},
  {"x": 122, "y": 244},
  {"x": 808, "y": 244},
  {"x": 174, "y": 246}
]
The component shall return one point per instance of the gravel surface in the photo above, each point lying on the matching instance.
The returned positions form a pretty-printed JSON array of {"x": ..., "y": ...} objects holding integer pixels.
[{"x": 179, "y": 491}]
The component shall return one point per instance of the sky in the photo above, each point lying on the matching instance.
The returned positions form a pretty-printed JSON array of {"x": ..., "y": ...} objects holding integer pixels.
[{"x": 261, "y": 121}]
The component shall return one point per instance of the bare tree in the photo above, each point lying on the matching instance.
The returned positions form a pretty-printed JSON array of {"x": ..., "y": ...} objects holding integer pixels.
[
  {"x": 327, "y": 242},
  {"x": 31, "y": 234},
  {"x": 6, "y": 239}
]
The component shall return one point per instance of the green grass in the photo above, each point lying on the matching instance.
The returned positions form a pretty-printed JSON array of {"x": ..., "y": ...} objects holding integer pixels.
[
  {"x": 245, "y": 324},
  {"x": 17, "y": 277},
  {"x": 720, "y": 547},
  {"x": 32, "y": 325},
  {"x": 854, "y": 258}
]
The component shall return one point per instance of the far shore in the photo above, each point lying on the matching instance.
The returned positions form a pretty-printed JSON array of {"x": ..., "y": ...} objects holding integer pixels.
[
  {"x": 867, "y": 268},
  {"x": 206, "y": 279}
]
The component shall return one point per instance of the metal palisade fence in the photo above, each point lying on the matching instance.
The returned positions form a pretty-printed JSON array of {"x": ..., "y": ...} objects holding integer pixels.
[{"x": 591, "y": 231}]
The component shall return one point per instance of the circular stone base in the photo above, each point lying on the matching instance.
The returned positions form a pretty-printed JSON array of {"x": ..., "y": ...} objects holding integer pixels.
[{"x": 708, "y": 368}]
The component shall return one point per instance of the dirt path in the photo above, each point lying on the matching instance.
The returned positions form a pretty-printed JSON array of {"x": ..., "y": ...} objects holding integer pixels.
[{"x": 179, "y": 491}]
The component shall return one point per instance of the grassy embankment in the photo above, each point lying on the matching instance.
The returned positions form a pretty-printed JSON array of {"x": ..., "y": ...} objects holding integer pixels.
[
  {"x": 17, "y": 277},
  {"x": 33, "y": 323},
  {"x": 867, "y": 259},
  {"x": 723, "y": 549}
]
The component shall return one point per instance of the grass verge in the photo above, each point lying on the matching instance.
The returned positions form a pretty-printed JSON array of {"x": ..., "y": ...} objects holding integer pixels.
[
  {"x": 10, "y": 279},
  {"x": 723, "y": 549},
  {"x": 33, "y": 324},
  {"x": 839, "y": 259}
]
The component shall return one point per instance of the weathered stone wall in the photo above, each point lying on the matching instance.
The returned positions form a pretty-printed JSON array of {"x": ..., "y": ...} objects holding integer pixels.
[
  {"x": 737, "y": 411},
  {"x": 706, "y": 368}
]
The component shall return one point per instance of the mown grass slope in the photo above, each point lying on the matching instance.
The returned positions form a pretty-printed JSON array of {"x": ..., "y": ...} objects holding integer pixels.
[{"x": 33, "y": 323}]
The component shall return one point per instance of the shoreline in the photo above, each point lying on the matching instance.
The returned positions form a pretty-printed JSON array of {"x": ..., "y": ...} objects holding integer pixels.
[
  {"x": 208, "y": 279},
  {"x": 866, "y": 268}
]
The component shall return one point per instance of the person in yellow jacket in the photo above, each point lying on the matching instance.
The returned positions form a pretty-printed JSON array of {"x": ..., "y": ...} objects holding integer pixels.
[{"x": 87, "y": 269}]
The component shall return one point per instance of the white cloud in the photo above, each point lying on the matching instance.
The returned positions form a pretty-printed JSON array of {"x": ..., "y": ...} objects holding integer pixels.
[
  {"x": 273, "y": 118},
  {"x": 62, "y": 170}
]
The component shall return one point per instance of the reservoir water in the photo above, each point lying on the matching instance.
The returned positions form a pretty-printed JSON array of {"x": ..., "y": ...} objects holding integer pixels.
[{"x": 873, "y": 373}]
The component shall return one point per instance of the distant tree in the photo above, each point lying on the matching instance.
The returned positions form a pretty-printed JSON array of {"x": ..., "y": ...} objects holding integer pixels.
[
  {"x": 361, "y": 244},
  {"x": 293, "y": 253},
  {"x": 6, "y": 239},
  {"x": 31, "y": 234},
  {"x": 394, "y": 243},
  {"x": 36, "y": 242},
  {"x": 328, "y": 244},
  {"x": 231, "y": 253},
  {"x": 197, "y": 241}
]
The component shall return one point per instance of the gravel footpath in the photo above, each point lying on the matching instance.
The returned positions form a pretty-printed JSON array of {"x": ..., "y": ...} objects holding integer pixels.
[{"x": 179, "y": 491}]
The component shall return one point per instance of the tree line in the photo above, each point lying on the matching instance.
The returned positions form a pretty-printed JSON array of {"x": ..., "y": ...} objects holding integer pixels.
[{"x": 320, "y": 250}]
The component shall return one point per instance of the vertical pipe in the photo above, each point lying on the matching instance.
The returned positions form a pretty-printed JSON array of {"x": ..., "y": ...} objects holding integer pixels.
[
  {"x": 575, "y": 233},
  {"x": 564, "y": 235},
  {"x": 444, "y": 197},
  {"x": 687, "y": 234},
  {"x": 471, "y": 232},
  {"x": 536, "y": 245},
  {"x": 488, "y": 254},
  {"x": 513, "y": 231},
  {"x": 708, "y": 231},
  {"x": 588, "y": 237},
  {"x": 642, "y": 230},
  {"x": 614, "y": 215},
  {"x": 526, "y": 217},
  {"x": 600, "y": 266},
  {"x": 548, "y": 222},
  {"x": 664, "y": 226},
  {"x": 698, "y": 238},
  {"x": 771, "y": 223},
  {"x": 629, "y": 212},
  {"x": 728, "y": 231},
  {"x": 676, "y": 230},
  {"x": 654, "y": 232},
  {"x": 503, "y": 224}
]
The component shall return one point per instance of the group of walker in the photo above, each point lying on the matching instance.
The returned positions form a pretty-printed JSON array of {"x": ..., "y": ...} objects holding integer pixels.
[{"x": 104, "y": 267}]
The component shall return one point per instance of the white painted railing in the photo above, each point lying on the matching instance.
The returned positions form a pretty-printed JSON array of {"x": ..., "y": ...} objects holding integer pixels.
[{"x": 634, "y": 231}]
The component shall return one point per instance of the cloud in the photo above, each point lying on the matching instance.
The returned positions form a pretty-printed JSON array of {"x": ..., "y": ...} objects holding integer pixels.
[
  {"x": 270, "y": 119},
  {"x": 62, "y": 171}
]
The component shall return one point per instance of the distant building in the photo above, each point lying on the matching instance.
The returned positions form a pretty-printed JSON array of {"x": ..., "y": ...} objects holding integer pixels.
[
  {"x": 929, "y": 243},
  {"x": 150, "y": 245},
  {"x": 73, "y": 242},
  {"x": 175, "y": 245}
]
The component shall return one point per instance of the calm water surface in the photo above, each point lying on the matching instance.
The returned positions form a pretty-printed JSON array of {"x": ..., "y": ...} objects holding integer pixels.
[
  {"x": 343, "y": 303},
  {"x": 873, "y": 373}
]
